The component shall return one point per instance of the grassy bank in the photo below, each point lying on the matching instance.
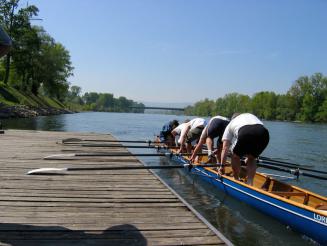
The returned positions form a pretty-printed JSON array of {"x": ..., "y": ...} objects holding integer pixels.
[{"x": 9, "y": 96}]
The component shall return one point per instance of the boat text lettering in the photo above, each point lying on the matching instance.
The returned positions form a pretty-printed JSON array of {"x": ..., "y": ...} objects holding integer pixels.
[{"x": 320, "y": 218}]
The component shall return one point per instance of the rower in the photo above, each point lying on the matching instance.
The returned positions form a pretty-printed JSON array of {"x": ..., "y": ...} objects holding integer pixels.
[
  {"x": 189, "y": 132},
  {"x": 246, "y": 137},
  {"x": 165, "y": 135},
  {"x": 214, "y": 129}
]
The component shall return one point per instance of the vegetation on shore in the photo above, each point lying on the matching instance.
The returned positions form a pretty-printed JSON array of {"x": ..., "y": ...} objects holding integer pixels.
[
  {"x": 105, "y": 102},
  {"x": 305, "y": 101}
]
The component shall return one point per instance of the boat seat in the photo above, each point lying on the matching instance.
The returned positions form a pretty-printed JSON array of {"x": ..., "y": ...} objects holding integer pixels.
[
  {"x": 321, "y": 207},
  {"x": 266, "y": 184},
  {"x": 288, "y": 193}
]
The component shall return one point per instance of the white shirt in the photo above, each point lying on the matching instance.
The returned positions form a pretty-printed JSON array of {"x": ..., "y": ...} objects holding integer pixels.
[
  {"x": 179, "y": 128},
  {"x": 231, "y": 131},
  {"x": 197, "y": 122},
  {"x": 183, "y": 128}
]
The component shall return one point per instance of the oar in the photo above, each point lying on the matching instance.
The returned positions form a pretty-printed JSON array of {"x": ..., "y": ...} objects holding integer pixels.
[
  {"x": 281, "y": 162},
  {"x": 278, "y": 176},
  {"x": 295, "y": 172},
  {"x": 45, "y": 171},
  {"x": 124, "y": 146},
  {"x": 74, "y": 140},
  {"x": 292, "y": 166},
  {"x": 62, "y": 156}
]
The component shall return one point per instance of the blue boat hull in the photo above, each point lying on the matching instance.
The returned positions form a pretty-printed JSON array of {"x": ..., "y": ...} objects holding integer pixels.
[{"x": 304, "y": 221}]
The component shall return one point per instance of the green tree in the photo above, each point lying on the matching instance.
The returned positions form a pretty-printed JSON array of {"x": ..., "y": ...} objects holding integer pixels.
[
  {"x": 53, "y": 67},
  {"x": 90, "y": 97},
  {"x": 204, "y": 108},
  {"x": 285, "y": 108},
  {"x": 264, "y": 105},
  {"x": 231, "y": 103},
  {"x": 309, "y": 94},
  {"x": 74, "y": 95},
  {"x": 25, "y": 59},
  {"x": 17, "y": 23},
  {"x": 105, "y": 102},
  {"x": 321, "y": 116},
  {"x": 75, "y": 91}
]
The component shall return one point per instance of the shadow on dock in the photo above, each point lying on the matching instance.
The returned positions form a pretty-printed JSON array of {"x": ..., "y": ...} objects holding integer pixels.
[{"x": 22, "y": 235}]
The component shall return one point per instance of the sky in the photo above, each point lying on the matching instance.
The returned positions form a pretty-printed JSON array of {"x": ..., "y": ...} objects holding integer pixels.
[{"x": 176, "y": 51}]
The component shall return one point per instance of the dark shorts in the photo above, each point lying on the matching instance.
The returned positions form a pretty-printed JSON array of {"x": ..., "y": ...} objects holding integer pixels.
[
  {"x": 216, "y": 128},
  {"x": 252, "y": 140},
  {"x": 194, "y": 134}
]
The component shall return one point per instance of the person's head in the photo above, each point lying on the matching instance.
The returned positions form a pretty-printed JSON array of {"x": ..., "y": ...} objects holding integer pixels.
[
  {"x": 174, "y": 124},
  {"x": 235, "y": 115}
]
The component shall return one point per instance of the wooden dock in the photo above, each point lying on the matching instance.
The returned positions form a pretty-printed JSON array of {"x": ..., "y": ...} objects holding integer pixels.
[{"x": 121, "y": 207}]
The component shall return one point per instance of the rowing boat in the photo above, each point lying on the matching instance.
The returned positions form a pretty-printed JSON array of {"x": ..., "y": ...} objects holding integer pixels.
[{"x": 300, "y": 209}]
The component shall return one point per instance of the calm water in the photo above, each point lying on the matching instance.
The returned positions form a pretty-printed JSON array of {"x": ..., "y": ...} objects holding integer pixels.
[{"x": 299, "y": 143}]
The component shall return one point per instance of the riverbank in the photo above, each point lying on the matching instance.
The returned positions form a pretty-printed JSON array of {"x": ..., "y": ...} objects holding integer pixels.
[
  {"x": 23, "y": 111},
  {"x": 17, "y": 104}
]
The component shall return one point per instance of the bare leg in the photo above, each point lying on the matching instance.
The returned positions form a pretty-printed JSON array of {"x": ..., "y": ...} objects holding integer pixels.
[
  {"x": 209, "y": 143},
  {"x": 236, "y": 165},
  {"x": 188, "y": 147},
  {"x": 251, "y": 167}
]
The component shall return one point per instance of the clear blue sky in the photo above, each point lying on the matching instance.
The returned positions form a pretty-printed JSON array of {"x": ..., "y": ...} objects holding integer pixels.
[{"x": 188, "y": 50}]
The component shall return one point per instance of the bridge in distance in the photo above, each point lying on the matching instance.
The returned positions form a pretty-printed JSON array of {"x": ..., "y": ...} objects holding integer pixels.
[{"x": 160, "y": 108}]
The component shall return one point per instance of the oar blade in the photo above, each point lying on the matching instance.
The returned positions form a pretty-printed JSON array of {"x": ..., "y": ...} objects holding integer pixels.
[
  {"x": 58, "y": 156},
  {"x": 68, "y": 140},
  {"x": 47, "y": 171}
]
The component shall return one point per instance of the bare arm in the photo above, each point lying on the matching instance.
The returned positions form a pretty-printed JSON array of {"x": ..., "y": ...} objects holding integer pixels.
[
  {"x": 181, "y": 140},
  {"x": 224, "y": 151},
  {"x": 197, "y": 148},
  {"x": 219, "y": 151}
]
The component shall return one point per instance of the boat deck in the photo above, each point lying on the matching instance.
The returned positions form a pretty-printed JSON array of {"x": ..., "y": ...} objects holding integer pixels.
[{"x": 121, "y": 207}]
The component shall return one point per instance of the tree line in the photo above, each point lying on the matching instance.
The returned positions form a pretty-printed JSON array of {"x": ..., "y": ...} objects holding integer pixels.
[
  {"x": 306, "y": 101},
  {"x": 38, "y": 65},
  {"x": 105, "y": 102}
]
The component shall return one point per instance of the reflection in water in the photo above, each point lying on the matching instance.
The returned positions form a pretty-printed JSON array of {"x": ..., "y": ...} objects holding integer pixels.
[
  {"x": 24, "y": 124},
  {"x": 243, "y": 225},
  {"x": 43, "y": 123}
]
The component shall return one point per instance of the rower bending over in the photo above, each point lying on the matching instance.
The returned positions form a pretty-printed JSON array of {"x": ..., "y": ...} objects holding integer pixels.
[
  {"x": 246, "y": 137},
  {"x": 215, "y": 128},
  {"x": 189, "y": 132},
  {"x": 165, "y": 135}
]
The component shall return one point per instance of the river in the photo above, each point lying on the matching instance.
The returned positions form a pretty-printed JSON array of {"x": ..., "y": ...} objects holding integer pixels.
[{"x": 293, "y": 142}]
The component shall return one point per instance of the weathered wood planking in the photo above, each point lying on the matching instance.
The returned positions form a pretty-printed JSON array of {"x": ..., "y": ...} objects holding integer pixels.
[{"x": 129, "y": 207}]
